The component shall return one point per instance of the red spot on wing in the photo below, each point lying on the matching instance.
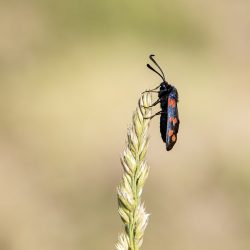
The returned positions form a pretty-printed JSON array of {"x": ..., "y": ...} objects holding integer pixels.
[
  {"x": 171, "y": 102},
  {"x": 170, "y": 132},
  {"x": 173, "y": 138},
  {"x": 175, "y": 120}
]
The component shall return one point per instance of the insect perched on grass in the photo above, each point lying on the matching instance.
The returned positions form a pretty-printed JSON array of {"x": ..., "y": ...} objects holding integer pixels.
[{"x": 168, "y": 98}]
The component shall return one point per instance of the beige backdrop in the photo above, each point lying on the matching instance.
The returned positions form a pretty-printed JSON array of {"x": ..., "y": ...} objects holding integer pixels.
[{"x": 71, "y": 73}]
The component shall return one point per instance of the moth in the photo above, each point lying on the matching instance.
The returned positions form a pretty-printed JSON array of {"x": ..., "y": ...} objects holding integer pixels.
[{"x": 168, "y": 99}]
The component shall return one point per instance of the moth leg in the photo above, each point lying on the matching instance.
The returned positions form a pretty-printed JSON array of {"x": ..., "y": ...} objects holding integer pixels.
[
  {"x": 140, "y": 106},
  {"x": 150, "y": 91},
  {"x": 155, "y": 103},
  {"x": 158, "y": 113}
]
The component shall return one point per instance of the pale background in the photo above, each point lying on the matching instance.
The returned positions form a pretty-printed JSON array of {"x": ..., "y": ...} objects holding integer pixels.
[{"x": 71, "y": 73}]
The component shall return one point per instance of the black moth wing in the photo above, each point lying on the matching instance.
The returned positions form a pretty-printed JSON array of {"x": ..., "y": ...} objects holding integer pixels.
[
  {"x": 172, "y": 120},
  {"x": 163, "y": 126}
]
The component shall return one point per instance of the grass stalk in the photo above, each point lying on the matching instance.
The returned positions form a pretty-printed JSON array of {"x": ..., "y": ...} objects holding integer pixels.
[{"x": 129, "y": 191}]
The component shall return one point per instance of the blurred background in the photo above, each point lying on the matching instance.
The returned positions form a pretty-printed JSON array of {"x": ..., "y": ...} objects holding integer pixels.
[{"x": 71, "y": 73}]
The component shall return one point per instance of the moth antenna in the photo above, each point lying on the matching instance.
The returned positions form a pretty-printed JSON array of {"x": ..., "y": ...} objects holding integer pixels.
[
  {"x": 150, "y": 67},
  {"x": 153, "y": 60}
]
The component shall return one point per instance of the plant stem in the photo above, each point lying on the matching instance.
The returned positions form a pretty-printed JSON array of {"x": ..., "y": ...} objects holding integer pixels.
[{"x": 129, "y": 191}]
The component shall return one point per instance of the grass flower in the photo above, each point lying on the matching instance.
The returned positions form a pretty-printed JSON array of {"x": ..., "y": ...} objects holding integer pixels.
[{"x": 136, "y": 170}]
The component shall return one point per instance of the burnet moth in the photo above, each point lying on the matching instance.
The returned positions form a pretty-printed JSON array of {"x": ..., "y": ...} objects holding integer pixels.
[{"x": 168, "y": 98}]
